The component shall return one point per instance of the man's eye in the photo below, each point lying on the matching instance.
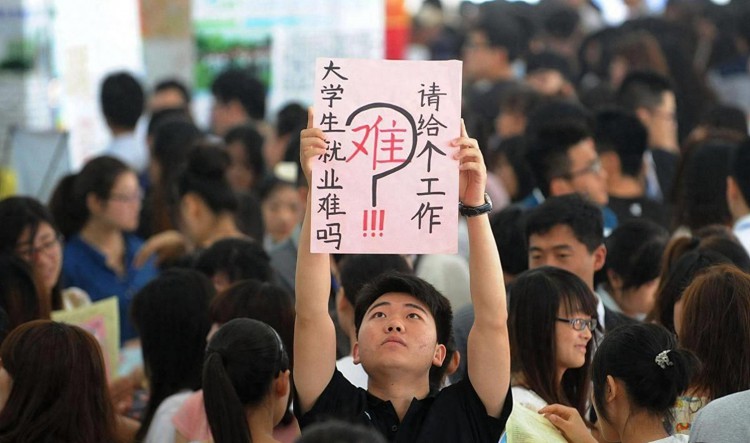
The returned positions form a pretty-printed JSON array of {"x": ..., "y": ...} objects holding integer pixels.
[{"x": 378, "y": 315}]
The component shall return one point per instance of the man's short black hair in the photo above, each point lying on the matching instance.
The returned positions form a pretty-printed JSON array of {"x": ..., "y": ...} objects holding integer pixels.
[
  {"x": 547, "y": 153},
  {"x": 507, "y": 229},
  {"x": 122, "y": 99},
  {"x": 561, "y": 21},
  {"x": 241, "y": 85},
  {"x": 582, "y": 216},
  {"x": 634, "y": 251},
  {"x": 359, "y": 269},
  {"x": 623, "y": 133},
  {"x": 520, "y": 99},
  {"x": 549, "y": 61},
  {"x": 290, "y": 119},
  {"x": 643, "y": 89},
  {"x": 552, "y": 129},
  {"x": 739, "y": 168},
  {"x": 173, "y": 83},
  {"x": 438, "y": 305},
  {"x": 501, "y": 29}
]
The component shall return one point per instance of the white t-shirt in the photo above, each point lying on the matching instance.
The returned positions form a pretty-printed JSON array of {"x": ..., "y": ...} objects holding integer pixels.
[
  {"x": 354, "y": 373},
  {"x": 527, "y": 398},
  {"x": 162, "y": 429}
]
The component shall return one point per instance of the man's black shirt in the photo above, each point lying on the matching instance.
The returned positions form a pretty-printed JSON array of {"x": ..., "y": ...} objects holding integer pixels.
[{"x": 455, "y": 414}]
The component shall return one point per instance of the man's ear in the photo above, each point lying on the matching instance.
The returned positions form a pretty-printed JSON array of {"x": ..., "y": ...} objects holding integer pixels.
[
  {"x": 600, "y": 256},
  {"x": 192, "y": 205},
  {"x": 734, "y": 194},
  {"x": 644, "y": 115},
  {"x": 614, "y": 279},
  {"x": 355, "y": 353},
  {"x": 439, "y": 357},
  {"x": 611, "y": 163},
  {"x": 560, "y": 186},
  {"x": 342, "y": 303}
]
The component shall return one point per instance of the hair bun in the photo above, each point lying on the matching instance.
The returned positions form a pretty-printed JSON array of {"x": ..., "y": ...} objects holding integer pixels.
[{"x": 682, "y": 367}]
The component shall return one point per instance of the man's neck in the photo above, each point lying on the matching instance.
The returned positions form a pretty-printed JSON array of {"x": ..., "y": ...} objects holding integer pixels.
[
  {"x": 624, "y": 186},
  {"x": 224, "y": 226},
  {"x": 399, "y": 389},
  {"x": 739, "y": 211},
  {"x": 120, "y": 130},
  {"x": 500, "y": 74}
]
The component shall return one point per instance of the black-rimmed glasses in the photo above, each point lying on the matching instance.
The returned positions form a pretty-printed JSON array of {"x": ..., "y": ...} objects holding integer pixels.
[{"x": 579, "y": 324}]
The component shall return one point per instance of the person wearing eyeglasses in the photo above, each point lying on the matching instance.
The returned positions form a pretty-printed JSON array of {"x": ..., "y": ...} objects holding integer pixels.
[
  {"x": 562, "y": 156},
  {"x": 566, "y": 232},
  {"x": 30, "y": 233},
  {"x": 97, "y": 211},
  {"x": 550, "y": 355},
  {"x": 637, "y": 373}
]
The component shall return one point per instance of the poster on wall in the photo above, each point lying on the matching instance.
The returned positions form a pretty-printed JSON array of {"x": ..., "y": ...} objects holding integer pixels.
[{"x": 279, "y": 41}]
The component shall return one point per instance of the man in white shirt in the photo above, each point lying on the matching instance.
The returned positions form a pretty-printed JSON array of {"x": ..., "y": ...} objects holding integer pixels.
[{"x": 122, "y": 100}]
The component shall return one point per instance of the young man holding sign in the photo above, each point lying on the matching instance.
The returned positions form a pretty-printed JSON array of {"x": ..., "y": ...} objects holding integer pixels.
[{"x": 402, "y": 326}]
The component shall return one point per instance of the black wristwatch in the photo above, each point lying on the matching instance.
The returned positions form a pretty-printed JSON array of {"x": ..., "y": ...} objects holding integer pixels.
[{"x": 473, "y": 211}]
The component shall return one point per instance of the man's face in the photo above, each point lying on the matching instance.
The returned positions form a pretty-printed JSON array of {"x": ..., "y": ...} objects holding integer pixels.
[
  {"x": 661, "y": 122},
  {"x": 226, "y": 115},
  {"x": 548, "y": 82},
  {"x": 560, "y": 248},
  {"x": 586, "y": 176},
  {"x": 477, "y": 55},
  {"x": 167, "y": 99},
  {"x": 398, "y": 333}
]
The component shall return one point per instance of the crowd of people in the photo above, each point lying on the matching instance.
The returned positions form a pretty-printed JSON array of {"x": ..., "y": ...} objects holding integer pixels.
[{"x": 601, "y": 291}]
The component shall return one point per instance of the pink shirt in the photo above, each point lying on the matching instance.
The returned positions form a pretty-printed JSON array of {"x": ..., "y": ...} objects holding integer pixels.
[{"x": 192, "y": 423}]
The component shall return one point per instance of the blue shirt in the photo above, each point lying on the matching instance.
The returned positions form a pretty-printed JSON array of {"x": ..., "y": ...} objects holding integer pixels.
[
  {"x": 536, "y": 198},
  {"x": 85, "y": 267}
]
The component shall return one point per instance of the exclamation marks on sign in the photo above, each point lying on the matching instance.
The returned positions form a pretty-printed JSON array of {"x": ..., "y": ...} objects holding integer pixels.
[{"x": 373, "y": 221}]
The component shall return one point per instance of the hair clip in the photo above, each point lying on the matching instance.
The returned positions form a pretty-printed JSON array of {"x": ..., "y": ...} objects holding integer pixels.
[{"x": 662, "y": 359}]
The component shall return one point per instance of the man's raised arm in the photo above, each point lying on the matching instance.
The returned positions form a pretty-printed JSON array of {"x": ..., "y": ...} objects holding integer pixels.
[
  {"x": 488, "y": 345},
  {"x": 314, "y": 334}
]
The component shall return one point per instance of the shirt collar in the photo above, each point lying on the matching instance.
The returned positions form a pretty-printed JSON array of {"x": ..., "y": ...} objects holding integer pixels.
[{"x": 743, "y": 223}]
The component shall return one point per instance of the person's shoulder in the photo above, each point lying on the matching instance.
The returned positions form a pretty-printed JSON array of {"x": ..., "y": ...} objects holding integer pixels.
[
  {"x": 614, "y": 319},
  {"x": 663, "y": 157},
  {"x": 340, "y": 399},
  {"x": 73, "y": 243},
  {"x": 528, "y": 398},
  {"x": 721, "y": 406},
  {"x": 76, "y": 252},
  {"x": 458, "y": 412}
]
